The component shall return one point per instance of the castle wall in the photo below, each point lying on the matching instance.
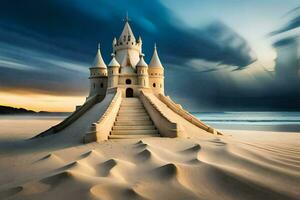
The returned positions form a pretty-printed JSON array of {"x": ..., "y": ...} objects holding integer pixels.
[
  {"x": 134, "y": 54},
  {"x": 113, "y": 77}
]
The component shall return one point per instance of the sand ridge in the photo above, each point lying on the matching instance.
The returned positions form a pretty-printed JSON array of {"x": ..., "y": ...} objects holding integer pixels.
[{"x": 156, "y": 168}]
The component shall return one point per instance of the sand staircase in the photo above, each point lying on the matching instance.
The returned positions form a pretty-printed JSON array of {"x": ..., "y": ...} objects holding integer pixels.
[{"x": 133, "y": 121}]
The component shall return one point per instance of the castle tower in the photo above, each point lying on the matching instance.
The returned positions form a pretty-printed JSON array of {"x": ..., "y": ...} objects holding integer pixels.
[
  {"x": 127, "y": 45},
  {"x": 98, "y": 76},
  {"x": 142, "y": 72},
  {"x": 156, "y": 74},
  {"x": 113, "y": 72}
]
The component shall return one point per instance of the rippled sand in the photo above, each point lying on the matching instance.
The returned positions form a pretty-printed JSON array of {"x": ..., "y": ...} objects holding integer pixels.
[{"x": 241, "y": 165}]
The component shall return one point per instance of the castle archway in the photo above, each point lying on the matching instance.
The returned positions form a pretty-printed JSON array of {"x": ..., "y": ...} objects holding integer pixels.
[{"x": 129, "y": 92}]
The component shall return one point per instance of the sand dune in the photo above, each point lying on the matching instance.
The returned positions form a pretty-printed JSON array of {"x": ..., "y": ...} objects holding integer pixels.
[{"x": 209, "y": 167}]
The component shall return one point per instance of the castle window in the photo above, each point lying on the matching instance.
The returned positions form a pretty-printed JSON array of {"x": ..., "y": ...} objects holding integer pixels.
[
  {"x": 129, "y": 37},
  {"x": 119, "y": 70},
  {"x": 132, "y": 43},
  {"x": 128, "y": 81},
  {"x": 155, "y": 73},
  {"x": 154, "y": 85},
  {"x": 94, "y": 85},
  {"x": 101, "y": 85},
  {"x": 124, "y": 38}
]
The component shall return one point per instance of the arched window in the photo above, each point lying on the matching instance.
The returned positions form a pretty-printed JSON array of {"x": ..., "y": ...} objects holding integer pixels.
[
  {"x": 128, "y": 81},
  {"x": 120, "y": 70},
  {"x": 154, "y": 85},
  {"x": 129, "y": 37},
  {"x": 101, "y": 85}
]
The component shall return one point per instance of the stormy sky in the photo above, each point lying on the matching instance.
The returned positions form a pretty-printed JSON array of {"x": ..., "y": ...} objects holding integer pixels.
[{"x": 218, "y": 55}]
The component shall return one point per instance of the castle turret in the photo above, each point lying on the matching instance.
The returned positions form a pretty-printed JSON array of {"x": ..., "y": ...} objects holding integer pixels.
[
  {"x": 127, "y": 45},
  {"x": 98, "y": 76},
  {"x": 142, "y": 72},
  {"x": 156, "y": 73},
  {"x": 113, "y": 72}
]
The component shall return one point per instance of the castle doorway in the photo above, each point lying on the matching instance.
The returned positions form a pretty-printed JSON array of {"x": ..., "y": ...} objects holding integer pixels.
[{"x": 129, "y": 92}]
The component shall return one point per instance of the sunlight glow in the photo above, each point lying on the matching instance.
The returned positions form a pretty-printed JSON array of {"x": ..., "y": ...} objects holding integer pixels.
[{"x": 41, "y": 102}]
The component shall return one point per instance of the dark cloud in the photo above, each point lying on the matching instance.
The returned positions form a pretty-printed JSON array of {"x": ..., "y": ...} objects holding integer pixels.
[
  {"x": 215, "y": 42},
  {"x": 44, "y": 36},
  {"x": 292, "y": 24},
  {"x": 287, "y": 68}
]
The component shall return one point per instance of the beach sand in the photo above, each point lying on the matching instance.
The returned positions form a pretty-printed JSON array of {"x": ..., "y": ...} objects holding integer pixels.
[{"x": 240, "y": 165}]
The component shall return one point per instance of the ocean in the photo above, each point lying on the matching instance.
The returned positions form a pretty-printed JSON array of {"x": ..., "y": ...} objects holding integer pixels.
[
  {"x": 264, "y": 121},
  {"x": 14, "y": 127}
]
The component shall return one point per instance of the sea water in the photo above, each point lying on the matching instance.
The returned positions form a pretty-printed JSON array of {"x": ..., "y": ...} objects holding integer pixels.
[
  {"x": 272, "y": 121},
  {"x": 14, "y": 127}
]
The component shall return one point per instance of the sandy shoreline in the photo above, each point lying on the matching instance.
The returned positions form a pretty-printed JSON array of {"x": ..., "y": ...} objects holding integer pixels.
[{"x": 240, "y": 165}]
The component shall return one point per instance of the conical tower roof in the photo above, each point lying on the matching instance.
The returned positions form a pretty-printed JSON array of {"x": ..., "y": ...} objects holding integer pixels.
[
  {"x": 99, "y": 62},
  {"x": 155, "y": 61},
  {"x": 142, "y": 62},
  {"x": 127, "y": 34},
  {"x": 113, "y": 62}
]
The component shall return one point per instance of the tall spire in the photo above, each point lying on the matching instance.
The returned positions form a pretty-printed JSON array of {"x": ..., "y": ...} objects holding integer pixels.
[
  {"x": 155, "y": 61},
  {"x": 99, "y": 62},
  {"x": 127, "y": 34},
  {"x": 127, "y": 18}
]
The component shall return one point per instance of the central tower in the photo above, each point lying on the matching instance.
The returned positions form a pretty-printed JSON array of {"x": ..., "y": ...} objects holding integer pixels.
[{"x": 127, "y": 47}]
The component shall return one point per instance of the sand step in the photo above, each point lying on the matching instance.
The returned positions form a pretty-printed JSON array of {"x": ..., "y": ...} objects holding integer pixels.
[
  {"x": 134, "y": 132},
  {"x": 132, "y": 110},
  {"x": 141, "y": 114},
  {"x": 132, "y": 136},
  {"x": 132, "y": 103},
  {"x": 134, "y": 127},
  {"x": 131, "y": 106},
  {"x": 132, "y": 117},
  {"x": 133, "y": 123}
]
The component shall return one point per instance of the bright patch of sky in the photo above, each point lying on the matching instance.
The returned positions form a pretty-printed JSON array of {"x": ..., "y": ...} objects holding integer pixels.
[{"x": 253, "y": 20}]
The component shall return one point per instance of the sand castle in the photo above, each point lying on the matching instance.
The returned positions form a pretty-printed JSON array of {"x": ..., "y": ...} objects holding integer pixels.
[{"x": 129, "y": 95}]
